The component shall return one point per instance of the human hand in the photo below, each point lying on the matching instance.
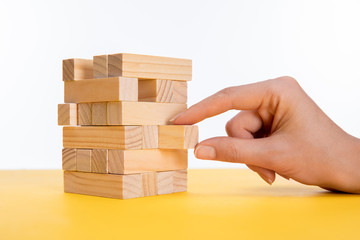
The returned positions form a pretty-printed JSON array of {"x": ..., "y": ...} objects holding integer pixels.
[{"x": 280, "y": 130}]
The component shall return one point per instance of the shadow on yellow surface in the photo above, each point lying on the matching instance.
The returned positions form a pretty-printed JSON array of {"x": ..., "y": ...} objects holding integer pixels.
[{"x": 220, "y": 204}]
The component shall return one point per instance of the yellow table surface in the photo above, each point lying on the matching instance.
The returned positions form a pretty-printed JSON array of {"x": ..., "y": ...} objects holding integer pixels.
[{"x": 219, "y": 204}]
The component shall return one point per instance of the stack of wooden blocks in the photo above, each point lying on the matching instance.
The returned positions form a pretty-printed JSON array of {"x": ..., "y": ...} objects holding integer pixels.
[{"x": 117, "y": 136}]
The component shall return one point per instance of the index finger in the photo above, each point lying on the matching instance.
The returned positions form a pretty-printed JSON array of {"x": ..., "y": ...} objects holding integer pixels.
[{"x": 245, "y": 97}]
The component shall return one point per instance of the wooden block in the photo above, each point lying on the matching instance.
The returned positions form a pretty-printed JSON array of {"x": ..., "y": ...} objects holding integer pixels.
[
  {"x": 84, "y": 114},
  {"x": 103, "y": 137},
  {"x": 178, "y": 136},
  {"x": 150, "y": 137},
  {"x": 179, "y": 92},
  {"x": 138, "y": 161},
  {"x": 149, "y": 184},
  {"x": 100, "y": 66},
  {"x": 162, "y": 91},
  {"x": 180, "y": 181},
  {"x": 69, "y": 159},
  {"x": 99, "y": 159},
  {"x": 99, "y": 113},
  {"x": 67, "y": 114},
  {"x": 77, "y": 69},
  {"x": 149, "y": 67},
  {"x": 142, "y": 113},
  {"x": 83, "y": 160},
  {"x": 101, "y": 90},
  {"x": 103, "y": 185},
  {"x": 165, "y": 182}
]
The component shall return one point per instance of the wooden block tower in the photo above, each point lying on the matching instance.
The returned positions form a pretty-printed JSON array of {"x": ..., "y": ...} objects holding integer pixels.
[{"x": 117, "y": 138}]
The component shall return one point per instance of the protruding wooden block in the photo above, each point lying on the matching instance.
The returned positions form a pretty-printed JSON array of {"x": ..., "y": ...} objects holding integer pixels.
[
  {"x": 103, "y": 137},
  {"x": 149, "y": 67},
  {"x": 149, "y": 184},
  {"x": 99, "y": 113},
  {"x": 178, "y": 136},
  {"x": 69, "y": 159},
  {"x": 101, "y": 66},
  {"x": 179, "y": 92},
  {"x": 137, "y": 161},
  {"x": 99, "y": 159},
  {"x": 150, "y": 137},
  {"x": 103, "y": 185},
  {"x": 142, "y": 113},
  {"x": 83, "y": 160},
  {"x": 77, "y": 69},
  {"x": 165, "y": 182},
  {"x": 180, "y": 181},
  {"x": 101, "y": 90},
  {"x": 67, "y": 114},
  {"x": 162, "y": 91},
  {"x": 84, "y": 114}
]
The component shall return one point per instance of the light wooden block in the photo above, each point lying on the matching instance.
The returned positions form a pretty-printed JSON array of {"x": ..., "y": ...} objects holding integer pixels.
[
  {"x": 165, "y": 182},
  {"x": 103, "y": 137},
  {"x": 84, "y": 114},
  {"x": 150, "y": 137},
  {"x": 178, "y": 136},
  {"x": 101, "y": 90},
  {"x": 99, "y": 159},
  {"x": 149, "y": 184},
  {"x": 180, "y": 181},
  {"x": 77, "y": 69},
  {"x": 69, "y": 159},
  {"x": 142, "y": 113},
  {"x": 99, "y": 113},
  {"x": 149, "y": 67},
  {"x": 162, "y": 91},
  {"x": 101, "y": 66},
  {"x": 67, "y": 114},
  {"x": 103, "y": 185},
  {"x": 137, "y": 161},
  {"x": 83, "y": 160}
]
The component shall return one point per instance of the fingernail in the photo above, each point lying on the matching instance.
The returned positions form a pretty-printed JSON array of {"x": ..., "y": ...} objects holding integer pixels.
[
  {"x": 266, "y": 179},
  {"x": 176, "y": 116},
  {"x": 205, "y": 152},
  {"x": 269, "y": 181}
]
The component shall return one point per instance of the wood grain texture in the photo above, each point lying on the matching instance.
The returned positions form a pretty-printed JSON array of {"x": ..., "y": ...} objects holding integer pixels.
[
  {"x": 69, "y": 159},
  {"x": 77, "y": 69},
  {"x": 165, "y": 182},
  {"x": 149, "y": 67},
  {"x": 101, "y": 90},
  {"x": 103, "y": 185},
  {"x": 83, "y": 160},
  {"x": 142, "y": 113},
  {"x": 67, "y": 114},
  {"x": 179, "y": 94},
  {"x": 84, "y": 114},
  {"x": 180, "y": 181},
  {"x": 162, "y": 91},
  {"x": 191, "y": 137},
  {"x": 178, "y": 136},
  {"x": 101, "y": 66},
  {"x": 150, "y": 137},
  {"x": 149, "y": 184},
  {"x": 103, "y": 137},
  {"x": 99, "y": 160},
  {"x": 99, "y": 113},
  {"x": 138, "y": 161}
]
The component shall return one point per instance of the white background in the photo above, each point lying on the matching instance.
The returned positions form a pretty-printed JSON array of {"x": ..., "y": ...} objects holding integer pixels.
[{"x": 230, "y": 42}]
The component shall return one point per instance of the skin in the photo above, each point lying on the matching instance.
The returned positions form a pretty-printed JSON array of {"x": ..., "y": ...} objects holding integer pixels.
[{"x": 279, "y": 130}]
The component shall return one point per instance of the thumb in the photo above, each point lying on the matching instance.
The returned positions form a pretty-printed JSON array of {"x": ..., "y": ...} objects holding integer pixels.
[{"x": 228, "y": 149}]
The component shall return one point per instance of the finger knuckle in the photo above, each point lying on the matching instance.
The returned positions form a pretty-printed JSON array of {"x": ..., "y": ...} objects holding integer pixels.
[
  {"x": 230, "y": 127},
  {"x": 226, "y": 92},
  {"x": 235, "y": 155}
]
